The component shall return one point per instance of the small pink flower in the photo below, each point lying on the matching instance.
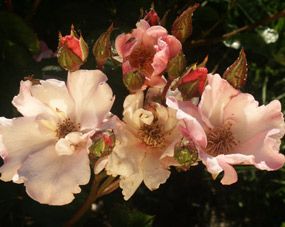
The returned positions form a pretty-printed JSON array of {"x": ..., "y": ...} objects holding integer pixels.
[
  {"x": 147, "y": 49},
  {"x": 47, "y": 148},
  {"x": 229, "y": 128}
]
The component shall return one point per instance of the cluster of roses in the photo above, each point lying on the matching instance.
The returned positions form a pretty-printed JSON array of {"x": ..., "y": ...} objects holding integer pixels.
[{"x": 49, "y": 148}]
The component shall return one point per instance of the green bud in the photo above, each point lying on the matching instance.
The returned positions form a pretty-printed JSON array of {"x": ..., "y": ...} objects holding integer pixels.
[
  {"x": 236, "y": 74},
  {"x": 176, "y": 66},
  {"x": 102, "y": 48},
  {"x": 185, "y": 154},
  {"x": 133, "y": 80}
]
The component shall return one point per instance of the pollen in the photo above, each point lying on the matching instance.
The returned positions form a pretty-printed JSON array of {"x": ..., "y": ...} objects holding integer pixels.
[
  {"x": 221, "y": 140},
  {"x": 142, "y": 58},
  {"x": 152, "y": 135},
  {"x": 65, "y": 127}
]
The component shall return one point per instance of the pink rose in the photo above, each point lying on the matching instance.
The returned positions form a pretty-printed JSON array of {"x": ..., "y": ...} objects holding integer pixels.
[
  {"x": 229, "y": 128},
  {"x": 147, "y": 49}
]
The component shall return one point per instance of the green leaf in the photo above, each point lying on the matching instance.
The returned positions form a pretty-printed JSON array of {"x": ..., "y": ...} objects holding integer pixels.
[
  {"x": 139, "y": 219},
  {"x": 16, "y": 30}
]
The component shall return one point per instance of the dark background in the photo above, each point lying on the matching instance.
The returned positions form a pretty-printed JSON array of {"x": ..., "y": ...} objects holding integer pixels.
[{"x": 189, "y": 198}]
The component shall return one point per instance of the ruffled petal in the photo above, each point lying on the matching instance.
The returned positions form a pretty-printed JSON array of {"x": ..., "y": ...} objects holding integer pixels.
[
  {"x": 211, "y": 163},
  {"x": 20, "y": 137},
  {"x": 131, "y": 104},
  {"x": 54, "y": 93},
  {"x": 126, "y": 156},
  {"x": 130, "y": 184},
  {"x": 243, "y": 110},
  {"x": 193, "y": 123},
  {"x": 143, "y": 24},
  {"x": 216, "y": 96},
  {"x": 28, "y": 105},
  {"x": 161, "y": 58},
  {"x": 156, "y": 31},
  {"x": 263, "y": 147},
  {"x": 230, "y": 175},
  {"x": 53, "y": 180},
  {"x": 174, "y": 45},
  {"x": 124, "y": 44},
  {"x": 92, "y": 96},
  {"x": 154, "y": 173},
  {"x": 100, "y": 164}
]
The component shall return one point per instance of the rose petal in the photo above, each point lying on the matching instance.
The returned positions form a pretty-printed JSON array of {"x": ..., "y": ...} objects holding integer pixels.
[
  {"x": 174, "y": 44},
  {"x": 130, "y": 184},
  {"x": 161, "y": 58},
  {"x": 20, "y": 137},
  {"x": 53, "y": 179},
  {"x": 124, "y": 45},
  {"x": 92, "y": 96},
  {"x": 244, "y": 111},
  {"x": 26, "y": 104},
  {"x": 126, "y": 156},
  {"x": 154, "y": 173},
  {"x": 217, "y": 94}
]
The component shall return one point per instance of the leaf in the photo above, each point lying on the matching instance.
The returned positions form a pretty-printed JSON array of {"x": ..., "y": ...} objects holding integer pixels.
[
  {"x": 17, "y": 31},
  {"x": 182, "y": 26},
  {"x": 139, "y": 219},
  {"x": 236, "y": 74}
]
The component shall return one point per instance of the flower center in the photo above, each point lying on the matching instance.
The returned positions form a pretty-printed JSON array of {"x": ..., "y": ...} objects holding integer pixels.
[
  {"x": 151, "y": 135},
  {"x": 65, "y": 127},
  {"x": 141, "y": 58},
  {"x": 221, "y": 140}
]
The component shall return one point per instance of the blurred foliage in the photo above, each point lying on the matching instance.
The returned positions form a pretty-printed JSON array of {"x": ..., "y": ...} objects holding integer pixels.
[{"x": 186, "y": 199}]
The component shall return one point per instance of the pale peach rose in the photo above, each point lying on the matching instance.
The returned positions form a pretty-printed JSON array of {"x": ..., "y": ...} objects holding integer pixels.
[
  {"x": 145, "y": 144},
  {"x": 229, "y": 128},
  {"x": 47, "y": 148}
]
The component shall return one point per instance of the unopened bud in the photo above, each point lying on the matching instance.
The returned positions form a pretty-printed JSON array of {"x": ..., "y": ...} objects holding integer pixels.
[
  {"x": 185, "y": 154},
  {"x": 133, "y": 80},
  {"x": 152, "y": 17},
  {"x": 176, "y": 66},
  {"x": 182, "y": 26},
  {"x": 72, "y": 51},
  {"x": 103, "y": 143},
  {"x": 102, "y": 48},
  {"x": 192, "y": 84},
  {"x": 236, "y": 74}
]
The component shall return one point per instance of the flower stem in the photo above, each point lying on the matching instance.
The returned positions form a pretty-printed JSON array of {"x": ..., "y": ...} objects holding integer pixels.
[
  {"x": 166, "y": 89},
  {"x": 95, "y": 193}
]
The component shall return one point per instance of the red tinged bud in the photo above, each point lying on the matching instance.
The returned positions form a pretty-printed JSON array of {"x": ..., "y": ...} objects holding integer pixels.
[
  {"x": 152, "y": 17},
  {"x": 72, "y": 51},
  {"x": 192, "y": 84}
]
